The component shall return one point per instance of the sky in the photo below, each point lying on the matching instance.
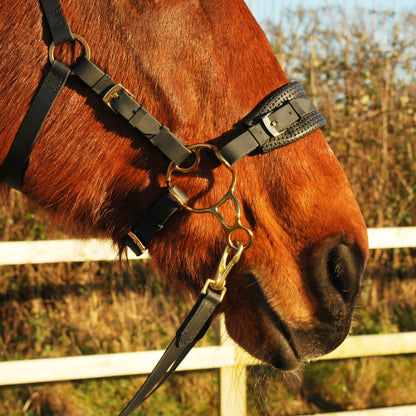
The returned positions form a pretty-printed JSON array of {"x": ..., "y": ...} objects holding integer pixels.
[{"x": 266, "y": 9}]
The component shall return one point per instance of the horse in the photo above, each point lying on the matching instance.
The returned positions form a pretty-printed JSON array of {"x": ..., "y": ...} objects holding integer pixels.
[{"x": 199, "y": 67}]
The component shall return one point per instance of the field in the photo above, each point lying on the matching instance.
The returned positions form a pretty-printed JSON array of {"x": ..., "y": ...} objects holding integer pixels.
[{"x": 361, "y": 76}]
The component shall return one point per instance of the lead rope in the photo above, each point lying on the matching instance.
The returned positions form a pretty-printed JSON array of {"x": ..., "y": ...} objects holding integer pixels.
[
  {"x": 197, "y": 322},
  {"x": 193, "y": 329}
]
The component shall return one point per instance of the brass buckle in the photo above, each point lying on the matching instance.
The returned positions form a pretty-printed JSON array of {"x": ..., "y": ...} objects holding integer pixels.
[{"x": 114, "y": 92}]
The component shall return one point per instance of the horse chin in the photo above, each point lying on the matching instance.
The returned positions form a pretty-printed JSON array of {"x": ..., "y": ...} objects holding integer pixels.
[
  {"x": 260, "y": 331},
  {"x": 271, "y": 346},
  {"x": 282, "y": 355},
  {"x": 265, "y": 334}
]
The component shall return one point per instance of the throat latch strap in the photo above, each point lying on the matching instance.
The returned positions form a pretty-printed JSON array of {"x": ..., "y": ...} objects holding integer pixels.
[{"x": 15, "y": 165}]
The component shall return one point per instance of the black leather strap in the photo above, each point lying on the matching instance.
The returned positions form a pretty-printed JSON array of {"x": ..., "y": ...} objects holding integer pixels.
[
  {"x": 121, "y": 101},
  {"x": 58, "y": 25},
  {"x": 193, "y": 329},
  {"x": 15, "y": 165},
  {"x": 283, "y": 117},
  {"x": 153, "y": 221},
  {"x": 309, "y": 119}
]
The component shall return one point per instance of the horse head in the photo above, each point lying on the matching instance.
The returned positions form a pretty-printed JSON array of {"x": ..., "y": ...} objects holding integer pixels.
[{"x": 199, "y": 67}]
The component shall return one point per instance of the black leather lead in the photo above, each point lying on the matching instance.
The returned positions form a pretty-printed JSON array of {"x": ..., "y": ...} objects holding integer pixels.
[
  {"x": 193, "y": 328},
  {"x": 15, "y": 165}
]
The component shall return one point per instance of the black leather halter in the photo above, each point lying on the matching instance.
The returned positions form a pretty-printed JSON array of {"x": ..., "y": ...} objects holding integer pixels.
[{"x": 283, "y": 117}]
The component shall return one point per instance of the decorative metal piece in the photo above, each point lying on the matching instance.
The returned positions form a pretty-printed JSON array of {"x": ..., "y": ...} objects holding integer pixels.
[{"x": 229, "y": 229}]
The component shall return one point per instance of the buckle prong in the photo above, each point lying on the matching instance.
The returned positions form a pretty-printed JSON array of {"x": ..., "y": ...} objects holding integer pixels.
[
  {"x": 114, "y": 92},
  {"x": 271, "y": 126}
]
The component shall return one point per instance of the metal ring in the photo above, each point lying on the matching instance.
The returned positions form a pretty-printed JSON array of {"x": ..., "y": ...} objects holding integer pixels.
[
  {"x": 214, "y": 209},
  {"x": 196, "y": 149},
  {"x": 78, "y": 38}
]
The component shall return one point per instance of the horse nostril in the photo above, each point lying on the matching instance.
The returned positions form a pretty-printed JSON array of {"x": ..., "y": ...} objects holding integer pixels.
[
  {"x": 338, "y": 266},
  {"x": 343, "y": 271}
]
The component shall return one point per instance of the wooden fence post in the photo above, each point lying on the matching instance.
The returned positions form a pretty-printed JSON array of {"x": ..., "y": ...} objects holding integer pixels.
[{"x": 232, "y": 379}]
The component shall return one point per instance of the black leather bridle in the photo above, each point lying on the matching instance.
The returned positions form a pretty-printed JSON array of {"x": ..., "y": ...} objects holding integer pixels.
[{"x": 283, "y": 117}]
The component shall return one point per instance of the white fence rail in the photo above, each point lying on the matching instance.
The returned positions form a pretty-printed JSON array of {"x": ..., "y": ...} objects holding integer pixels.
[
  {"x": 228, "y": 357},
  {"x": 53, "y": 251}
]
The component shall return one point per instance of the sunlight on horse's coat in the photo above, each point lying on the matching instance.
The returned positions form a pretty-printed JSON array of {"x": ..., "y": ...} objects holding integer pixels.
[{"x": 200, "y": 68}]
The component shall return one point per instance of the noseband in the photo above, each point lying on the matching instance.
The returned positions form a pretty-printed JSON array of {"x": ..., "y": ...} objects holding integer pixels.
[{"x": 283, "y": 117}]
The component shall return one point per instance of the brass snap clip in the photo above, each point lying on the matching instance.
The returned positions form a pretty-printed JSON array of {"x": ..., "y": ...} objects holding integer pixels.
[{"x": 224, "y": 268}]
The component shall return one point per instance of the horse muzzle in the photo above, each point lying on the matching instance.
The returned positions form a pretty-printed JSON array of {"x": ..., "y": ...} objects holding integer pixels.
[{"x": 333, "y": 280}]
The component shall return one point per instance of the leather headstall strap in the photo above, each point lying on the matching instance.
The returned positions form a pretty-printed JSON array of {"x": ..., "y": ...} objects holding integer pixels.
[
  {"x": 285, "y": 116},
  {"x": 114, "y": 95},
  {"x": 122, "y": 102},
  {"x": 15, "y": 164}
]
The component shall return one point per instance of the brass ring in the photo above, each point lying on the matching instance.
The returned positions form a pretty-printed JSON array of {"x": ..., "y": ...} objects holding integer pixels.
[
  {"x": 78, "y": 38},
  {"x": 214, "y": 209},
  {"x": 196, "y": 149}
]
